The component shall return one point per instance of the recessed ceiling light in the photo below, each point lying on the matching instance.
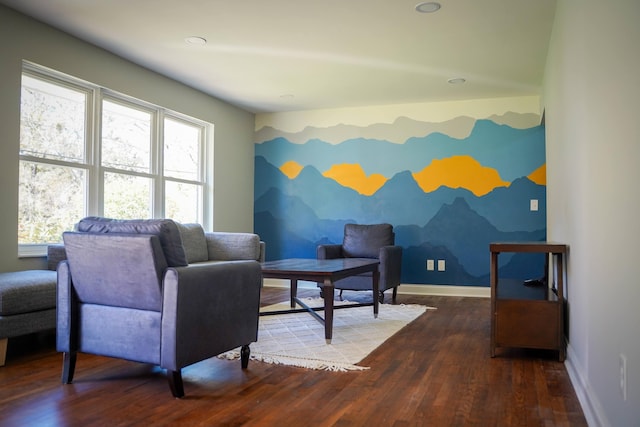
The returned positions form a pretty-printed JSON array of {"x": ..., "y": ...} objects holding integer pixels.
[
  {"x": 428, "y": 7},
  {"x": 195, "y": 40},
  {"x": 456, "y": 81}
]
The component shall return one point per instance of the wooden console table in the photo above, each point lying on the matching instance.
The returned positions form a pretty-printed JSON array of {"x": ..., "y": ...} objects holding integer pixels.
[{"x": 529, "y": 317}]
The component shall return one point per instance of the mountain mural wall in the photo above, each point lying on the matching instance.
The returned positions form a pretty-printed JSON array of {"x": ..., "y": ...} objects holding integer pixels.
[{"x": 448, "y": 192}]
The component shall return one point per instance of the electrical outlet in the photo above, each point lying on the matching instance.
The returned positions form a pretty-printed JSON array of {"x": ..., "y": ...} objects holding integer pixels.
[
  {"x": 440, "y": 265},
  {"x": 623, "y": 376},
  {"x": 533, "y": 204},
  {"x": 431, "y": 265}
]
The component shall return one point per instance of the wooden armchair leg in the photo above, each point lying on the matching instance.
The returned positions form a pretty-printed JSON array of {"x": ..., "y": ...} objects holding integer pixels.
[
  {"x": 245, "y": 352},
  {"x": 175, "y": 383},
  {"x": 68, "y": 366},
  {"x": 3, "y": 350},
  {"x": 395, "y": 294}
]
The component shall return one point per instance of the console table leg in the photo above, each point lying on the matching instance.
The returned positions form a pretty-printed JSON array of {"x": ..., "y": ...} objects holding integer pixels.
[{"x": 494, "y": 284}]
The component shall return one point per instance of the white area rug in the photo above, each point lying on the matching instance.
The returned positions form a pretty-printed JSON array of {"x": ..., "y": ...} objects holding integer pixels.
[{"x": 297, "y": 339}]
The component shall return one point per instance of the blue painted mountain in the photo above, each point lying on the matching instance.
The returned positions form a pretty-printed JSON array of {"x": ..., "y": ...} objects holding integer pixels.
[
  {"x": 414, "y": 271},
  {"x": 280, "y": 241},
  {"x": 400, "y": 201},
  {"x": 456, "y": 234},
  {"x": 516, "y": 266},
  {"x": 267, "y": 176},
  {"x": 512, "y": 152},
  {"x": 300, "y": 220},
  {"x": 466, "y": 234},
  {"x": 508, "y": 208}
]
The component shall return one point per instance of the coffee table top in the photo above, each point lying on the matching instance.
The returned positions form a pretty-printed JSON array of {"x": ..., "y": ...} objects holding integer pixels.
[
  {"x": 328, "y": 267},
  {"x": 324, "y": 272}
]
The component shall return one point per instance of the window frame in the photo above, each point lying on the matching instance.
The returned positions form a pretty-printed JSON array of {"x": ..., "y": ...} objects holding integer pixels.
[{"x": 95, "y": 171}]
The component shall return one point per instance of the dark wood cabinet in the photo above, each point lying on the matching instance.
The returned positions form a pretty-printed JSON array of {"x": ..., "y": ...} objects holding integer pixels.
[{"x": 529, "y": 316}]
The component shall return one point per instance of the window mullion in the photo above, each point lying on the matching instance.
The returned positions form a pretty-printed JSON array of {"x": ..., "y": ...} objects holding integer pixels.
[
  {"x": 158, "y": 163},
  {"x": 94, "y": 141},
  {"x": 206, "y": 165}
]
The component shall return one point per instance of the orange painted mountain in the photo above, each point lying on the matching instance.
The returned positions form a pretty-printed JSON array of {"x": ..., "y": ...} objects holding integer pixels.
[
  {"x": 453, "y": 172},
  {"x": 459, "y": 172}
]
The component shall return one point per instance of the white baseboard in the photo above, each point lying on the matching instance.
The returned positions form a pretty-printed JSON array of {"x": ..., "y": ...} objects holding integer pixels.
[
  {"x": 588, "y": 401},
  {"x": 445, "y": 290},
  {"x": 453, "y": 291}
]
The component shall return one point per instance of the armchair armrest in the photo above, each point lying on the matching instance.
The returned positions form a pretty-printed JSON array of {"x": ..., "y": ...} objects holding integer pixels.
[
  {"x": 208, "y": 308},
  {"x": 391, "y": 258},
  {"x": 329, "y": 251},
  {"x": 65, "y": 311}
]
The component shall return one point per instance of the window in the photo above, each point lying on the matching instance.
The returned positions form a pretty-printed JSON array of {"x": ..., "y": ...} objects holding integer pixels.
[{"x": 85, "y": 150}]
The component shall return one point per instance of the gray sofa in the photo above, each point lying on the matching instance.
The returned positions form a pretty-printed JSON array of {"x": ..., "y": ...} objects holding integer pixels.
[
  {"x": 28, "y": 300},
  {"x": 197, "y": 245},
  {"x": 157, "y": 292},
  {"x": 27, "y": 304}
]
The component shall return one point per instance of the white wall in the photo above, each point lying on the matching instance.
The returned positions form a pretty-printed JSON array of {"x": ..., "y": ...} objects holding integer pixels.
[
  {"x": 26, "y": 39},
  {"x": 591, "y": 96}
]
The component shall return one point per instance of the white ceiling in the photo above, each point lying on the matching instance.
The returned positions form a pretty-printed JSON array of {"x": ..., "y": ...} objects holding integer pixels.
[{"x": 285, "y": 55}]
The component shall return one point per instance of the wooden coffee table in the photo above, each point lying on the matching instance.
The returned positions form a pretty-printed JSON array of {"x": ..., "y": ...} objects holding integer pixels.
[{"x": 325, "y": 272}]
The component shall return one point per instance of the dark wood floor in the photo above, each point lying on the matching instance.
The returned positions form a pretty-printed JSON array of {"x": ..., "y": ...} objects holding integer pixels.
[{"x": 435, "y": 372}]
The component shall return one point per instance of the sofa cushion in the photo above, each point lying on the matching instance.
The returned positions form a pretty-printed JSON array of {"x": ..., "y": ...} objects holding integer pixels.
[
  {"x": 27, "y": 291},
  {"x": 223, "y": 246},
  {"x": 166, "y": 230},
  {"x": 55, "y": 254},
  {"x": 365, "y": 241},
  {"x": 194, "y": 242}
]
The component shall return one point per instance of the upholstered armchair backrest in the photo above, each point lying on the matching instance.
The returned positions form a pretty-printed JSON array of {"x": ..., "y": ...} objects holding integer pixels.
[
  {"x": 166, "y": 230},
  {"x": 365, "y": 240},
  {"x": 112, "y": 269}
]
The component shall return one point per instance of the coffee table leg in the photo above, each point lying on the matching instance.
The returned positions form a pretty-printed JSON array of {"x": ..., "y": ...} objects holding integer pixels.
[
  {"x": 327, "y": 290},
  {"x": 294, "y": 292},
  {"x": 376, "y": 292}
]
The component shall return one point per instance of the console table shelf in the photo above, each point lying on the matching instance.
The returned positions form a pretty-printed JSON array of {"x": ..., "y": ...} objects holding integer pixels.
[{"x": 528, "y": 317}]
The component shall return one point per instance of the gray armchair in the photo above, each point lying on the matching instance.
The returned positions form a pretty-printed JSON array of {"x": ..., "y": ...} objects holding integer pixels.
[
  {"x": 132, "y": 296},
  {"x": 368, "y": 241}
]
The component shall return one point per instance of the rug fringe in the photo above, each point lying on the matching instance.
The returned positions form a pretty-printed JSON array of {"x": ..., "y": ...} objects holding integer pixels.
[
  {"x": 321, "y": 365},
  {"x": 296, "y": 339},
  {"x": 426, "y": 307}
]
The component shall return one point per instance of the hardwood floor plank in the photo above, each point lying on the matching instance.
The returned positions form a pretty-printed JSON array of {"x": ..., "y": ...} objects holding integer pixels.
[{"x": 434, "y": 372}]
